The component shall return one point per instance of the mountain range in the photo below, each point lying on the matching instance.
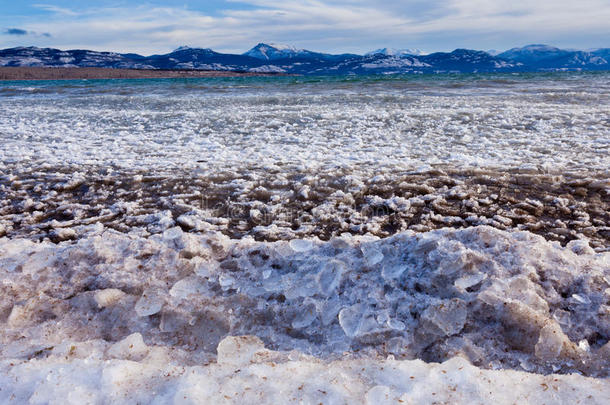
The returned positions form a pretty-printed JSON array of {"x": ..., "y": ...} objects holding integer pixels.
[{"x": 270, "y": 58}]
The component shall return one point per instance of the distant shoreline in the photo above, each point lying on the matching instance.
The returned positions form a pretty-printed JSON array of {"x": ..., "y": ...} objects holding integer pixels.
[{"x": 75, "y": 73}]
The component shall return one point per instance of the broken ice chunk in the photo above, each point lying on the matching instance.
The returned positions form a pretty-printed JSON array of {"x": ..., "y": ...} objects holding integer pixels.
[
  {"x": 256, "y": 215},
  {"x": 550, "y": 342},
  {"x": 372, "y": 254},
  {"x": 584, "y": 345},
  {"x": 305, "y": 316},
  {"x": 159, "y": 222},
  {"x": 392, "y": 272},
  {"x": 383, "y": 318},
  {"x": 204, "y": 267},
  {"x": 130, "y": 348},
  {"x": 190, "y": 221},
  {"x": 62, "y": 234},
  {"x": 239, "y": 350},
  {"x": 294, "y": 286},
  {"x": 18, "y": 316},
  {"x": 446, "y": 318},
  {"x": 397, "y": 345},
  {"x": 563, "y": 318},
  {"x": 173, "y": 233},
  {"x": 225, "y": 281},
  {"x": 304, "y": 192},
  {"x": 523, "y": 290},
  {"x": 185, "y": 287},
  {"x": 301, "y": 245},
  {"x": 329, "y": 277},
  {"x": 329, "y": 311},
  {"x": 350, "y": 319},
  {"x": 108, "y": 297},
  {"x": 396, "y": 324},
  {"x": 37, "y": 262},
  {"x": 469, "y": 280},
  {"x": 580, "y": 247},
  {"x": 580, "y": 299},
  {"x": 149, "y": 303}
]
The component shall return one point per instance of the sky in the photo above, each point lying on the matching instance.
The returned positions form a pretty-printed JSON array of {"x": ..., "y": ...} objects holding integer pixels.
[{"x": 335, "y": 26}]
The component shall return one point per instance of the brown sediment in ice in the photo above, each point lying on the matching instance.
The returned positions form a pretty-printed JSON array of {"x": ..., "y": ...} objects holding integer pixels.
[{"x": 274, "y": 205}]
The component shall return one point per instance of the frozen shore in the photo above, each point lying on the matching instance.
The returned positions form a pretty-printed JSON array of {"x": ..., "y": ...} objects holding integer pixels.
[
  {"x": 121, "y": 318},
  {"x": 331, "y": 240}
]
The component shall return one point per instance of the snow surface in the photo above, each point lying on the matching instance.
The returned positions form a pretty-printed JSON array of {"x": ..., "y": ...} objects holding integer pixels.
[{"x": 263, "y": 376}]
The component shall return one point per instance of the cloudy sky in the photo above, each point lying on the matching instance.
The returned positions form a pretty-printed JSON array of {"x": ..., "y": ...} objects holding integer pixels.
[{"x": 158, "y": 26}]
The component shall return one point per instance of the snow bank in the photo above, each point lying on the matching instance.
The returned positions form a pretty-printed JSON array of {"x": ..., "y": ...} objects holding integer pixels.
[{"x": 247, "y": 373}]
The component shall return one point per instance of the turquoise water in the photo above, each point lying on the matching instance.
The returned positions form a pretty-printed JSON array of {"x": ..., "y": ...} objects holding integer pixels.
[{"x": 407, "y": 82}]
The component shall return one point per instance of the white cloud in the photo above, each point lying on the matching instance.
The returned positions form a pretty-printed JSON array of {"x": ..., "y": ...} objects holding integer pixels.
[
  {"x": 56, "y": 10},
  {"x": 332, "y": 25}
]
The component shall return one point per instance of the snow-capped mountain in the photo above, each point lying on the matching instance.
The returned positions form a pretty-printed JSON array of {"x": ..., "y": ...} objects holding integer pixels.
[
  {"x": 602, "y": 52},
  {"x": 549, "y": 57},
  {"x": 467, "y": 60},
  {"x": 534, "y": 53},
  {"x": 182, "y": 48},
  {"x": 272, "y": 52},
  {"x": 287, "y": 59},
  {"x": 395, "y": 52},
  {"x": 202, "y": 59},
  {"x": 33, "y": 56}
]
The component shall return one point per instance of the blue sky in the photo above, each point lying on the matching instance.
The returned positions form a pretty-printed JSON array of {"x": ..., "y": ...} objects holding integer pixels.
[{"x": 158, "y": 26}]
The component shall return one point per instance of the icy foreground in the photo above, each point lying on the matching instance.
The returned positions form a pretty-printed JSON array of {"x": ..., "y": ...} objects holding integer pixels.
[
  {"x": 122, "y": 317},
  {"x": 147, "y": 228}
]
